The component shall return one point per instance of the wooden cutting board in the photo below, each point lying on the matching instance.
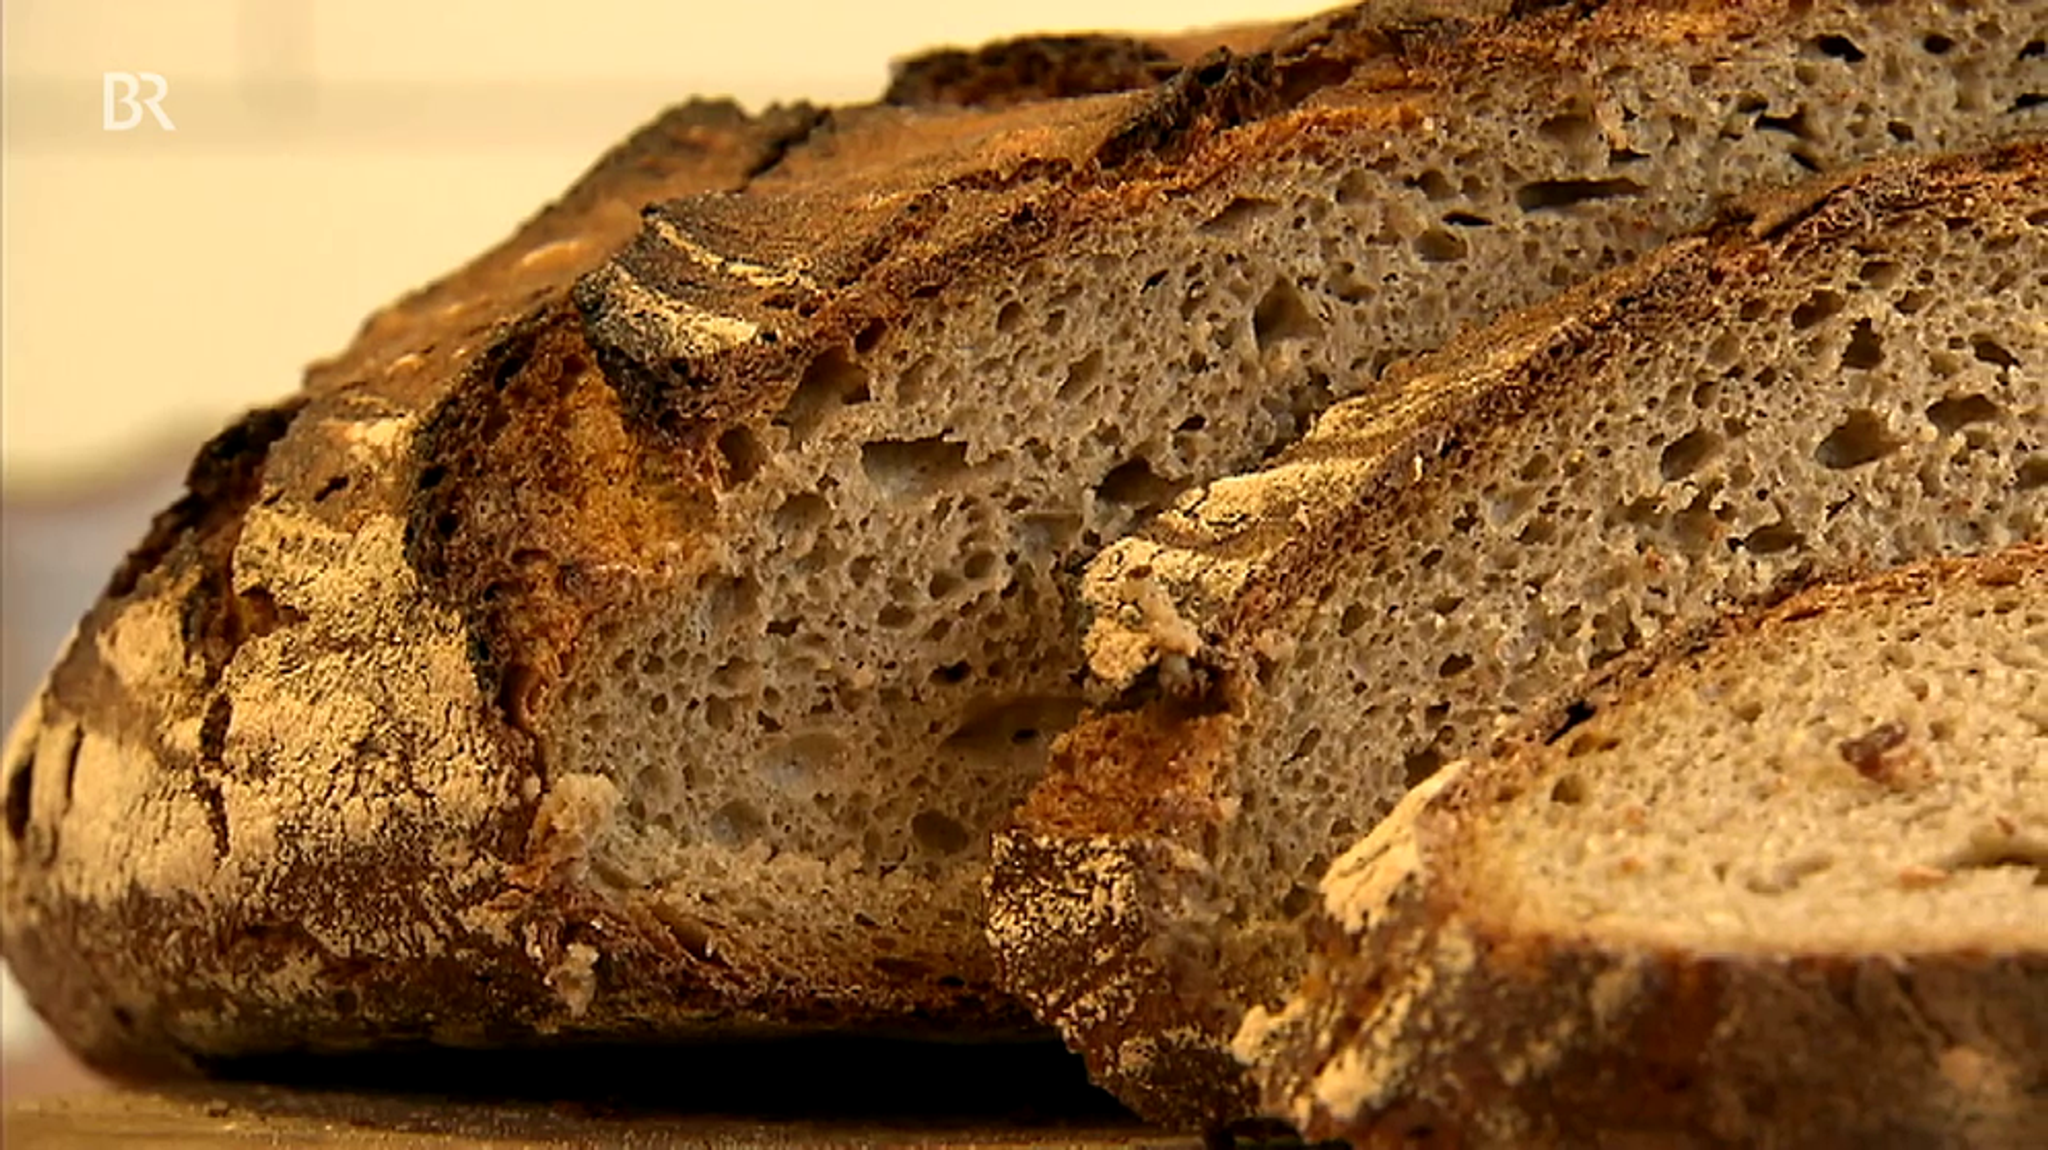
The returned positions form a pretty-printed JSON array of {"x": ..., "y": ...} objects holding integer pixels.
[{"x": 233, "y": 1115}]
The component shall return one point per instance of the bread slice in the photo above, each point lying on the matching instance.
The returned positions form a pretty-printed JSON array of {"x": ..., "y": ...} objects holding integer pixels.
[
  {"x": 1789, "y": 888},
  {"x": 1851, "y": 377},
  {"x": 654, "y": 655}
]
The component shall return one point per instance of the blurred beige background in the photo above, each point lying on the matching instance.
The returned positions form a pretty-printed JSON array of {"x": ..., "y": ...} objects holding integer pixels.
[{"x": 328, "y": 154}]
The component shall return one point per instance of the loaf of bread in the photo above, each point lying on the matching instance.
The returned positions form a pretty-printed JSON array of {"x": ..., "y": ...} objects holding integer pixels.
[
  {"x": 1785, "y": 889},
  {"x": 639, "y": 633},
  {"x": 1849, "y": 377}
]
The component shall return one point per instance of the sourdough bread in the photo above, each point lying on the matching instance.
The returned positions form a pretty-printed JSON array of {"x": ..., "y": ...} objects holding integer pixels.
[
  {"x": 1850, "y": 377},
  {"x": 1785, "y": 889},
  {"x": 652, "y": 655}
]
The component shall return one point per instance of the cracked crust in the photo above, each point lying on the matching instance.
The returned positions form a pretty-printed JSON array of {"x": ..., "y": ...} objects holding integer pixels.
[{"x": 1437, "y": 1013}]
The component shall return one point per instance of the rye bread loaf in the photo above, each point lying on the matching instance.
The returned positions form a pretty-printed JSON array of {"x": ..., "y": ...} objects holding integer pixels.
[
  {"x": 1788, "y": 888},
  {"x": 1848, "y": 377},
  {"x": 652, "y": 654}
]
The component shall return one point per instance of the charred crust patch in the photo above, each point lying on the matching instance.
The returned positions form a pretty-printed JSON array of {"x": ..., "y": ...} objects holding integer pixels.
[
  {"x": 1029, "y": 68},
  {"x": 690, "y": 133},
  {"x": 524, "y": 490},
  {"x": 1213, "y": 95}
]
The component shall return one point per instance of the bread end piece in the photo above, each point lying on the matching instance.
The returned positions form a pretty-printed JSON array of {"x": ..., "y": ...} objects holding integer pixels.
[{"x": 1451, "y": 1001}]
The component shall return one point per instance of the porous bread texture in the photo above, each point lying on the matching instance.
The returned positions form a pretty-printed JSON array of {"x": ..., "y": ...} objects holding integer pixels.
[
  {"x": 815, "y": 723},
  {"x": 572, "y": 505},
  {"x": 1856, "y": 378},
  {"x": 1786, "y": 887},
  {"x": 1874, "y": 782}
]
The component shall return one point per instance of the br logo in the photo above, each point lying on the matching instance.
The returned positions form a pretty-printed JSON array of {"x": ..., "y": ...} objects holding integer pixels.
[{"x": 122, "y": 101}]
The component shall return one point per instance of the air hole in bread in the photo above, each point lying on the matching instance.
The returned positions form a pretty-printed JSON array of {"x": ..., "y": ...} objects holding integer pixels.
[
  {"x": 1417, "y": 766},
  {"x": 742, "y": 453},
  {"x": 1569, "y": 790},
  {"x": 1839, "y": 48},
  {"x": 1684, "y": 455},
  {"x": 736, "y": 823},
  {"x": 730, "y": 599},
  {"x": 1794, "y": 125},
  {"x": 831, "y": 382},
  {"x": 1440, "y": 246},
  {"x": 1865, "y": 350},
  {"x": 1773, "y": 538},
  {"x": 1956, "y": 412},
  {"x": 1990, "y": 351},
  {"x": 1134, "y": 484},
  {"x": 1994, "y": 853},
  {"x": 1081, "y": 376},
  {"x": 913, "y": 468},
  {"x": 1009, "y": 317},
  {"x": 1819, "y": 305},
  {"x": 1859, "y": 439},
  {"x": 800, "y": 514},
  {"x": 1552, "y": 195},
  {"x": 939, "y": 833},
  {"x": 1573, "y": 130},
  {"x": 1307, "y": 744},
  {"x": 1433, "y": 184},
  {"x": 1238, "y": 213},
  {"x": 1283, "y": 315}
]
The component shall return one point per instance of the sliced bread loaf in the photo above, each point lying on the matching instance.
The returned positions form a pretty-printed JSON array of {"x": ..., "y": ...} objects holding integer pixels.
[
  {"x": 1850, "y": 377},
  {"x": 1789, "y": 888},
  {"x": 654, "y": 655}
]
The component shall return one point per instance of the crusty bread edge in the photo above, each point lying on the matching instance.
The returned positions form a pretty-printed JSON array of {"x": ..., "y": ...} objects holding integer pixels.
[{"x": 1425, "y": 1017}]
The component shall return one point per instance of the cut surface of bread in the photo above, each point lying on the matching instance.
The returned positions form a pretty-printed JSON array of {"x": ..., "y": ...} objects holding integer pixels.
[
  {"x": 654, "y": 654},
  {"x": 1854, "y": 377},
  {"x": 1788, "y": 887}
]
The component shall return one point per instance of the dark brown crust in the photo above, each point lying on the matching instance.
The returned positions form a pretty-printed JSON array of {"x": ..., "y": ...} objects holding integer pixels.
[
  {"x": 1586, "y": 1040},
  {"x": 1027, "y": 69},
  {"x": 1468, "y": 394}
]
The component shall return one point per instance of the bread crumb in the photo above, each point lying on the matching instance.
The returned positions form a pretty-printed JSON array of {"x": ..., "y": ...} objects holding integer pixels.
[
  {"x": 1917, "y": 877},
  {"x": 1884, "y": 756},
  {"x": 574, "y": 978},
  {"x": 560, "y": 251}
]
